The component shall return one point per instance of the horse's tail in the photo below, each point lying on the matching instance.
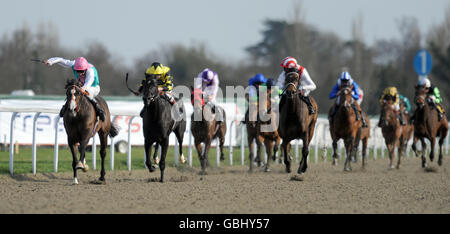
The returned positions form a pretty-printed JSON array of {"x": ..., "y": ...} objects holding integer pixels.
[{"x": 114, "y": 130}]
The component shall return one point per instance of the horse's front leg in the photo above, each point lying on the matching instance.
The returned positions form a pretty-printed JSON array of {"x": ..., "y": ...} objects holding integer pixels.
[
  {"x": 349, "y": 148},
  {"x": 155, "y": 154},
  {"x": 82, "y": 163},
  {"x": 162, "y": 162},
  {"x": 199, "y": 148},
  {"x": 432, "y": 144},
  {"x": 335, "y": 155},
  {"x": 250, "y": 155},
  {"x": 287, "y": 158},
  {"x": 413, "y": 146},
  {"x": 390, "y": 147},
  {"x": 424, "y": 150},
  {"x": 268, "y": 143},
  {"x": 305, "y": 152},
  {"x": 73, "y": 150},
  {"x": 148, "y": 152},
  {"x": 103, "y": 143}
]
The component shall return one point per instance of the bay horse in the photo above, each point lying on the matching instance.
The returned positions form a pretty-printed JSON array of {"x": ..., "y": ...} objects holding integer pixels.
[
  {"x": 264, "y": 130},
  {"x": 295, "y": 121},
  {"x": 205, "y": 127},
  {"x": 395, "y": 135},
  {"x": 81, "y": 123},
  {"x": 427, "y": 125},
  {"x": 160, "y": 119},
  {"x": 345, "y": 126}
]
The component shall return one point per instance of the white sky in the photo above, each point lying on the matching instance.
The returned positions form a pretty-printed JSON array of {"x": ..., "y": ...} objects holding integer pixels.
[{"x": 131, "y": 28}]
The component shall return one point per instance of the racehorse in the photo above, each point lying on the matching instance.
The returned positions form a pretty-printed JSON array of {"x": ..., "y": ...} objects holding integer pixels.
[
  {"x": 206, "y": 128},
  {"x": 362, "y": 135},
  {"x": 81, "y": 123},
  {"x": 160, "y": 119},
  {"x": 295, "y": 121},
  {"x": 345, "y": 126},
  {"x": 427, "y": 125},
  {"x": 263, "y": 131},
  {"x": 395, "y": 136}
]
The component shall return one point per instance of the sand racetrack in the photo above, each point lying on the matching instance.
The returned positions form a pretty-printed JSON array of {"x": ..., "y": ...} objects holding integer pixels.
[{"x": 325, "y": 189}]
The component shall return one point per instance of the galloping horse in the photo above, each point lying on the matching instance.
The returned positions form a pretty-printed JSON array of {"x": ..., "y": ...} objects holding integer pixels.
[
  {"x": 393, "y": 132},
  {"x": 207, "y": 128},
  {"x": 263, "y": 131},
  {"x": 295, "y": 122},
  {"x": 426, "y": 125},
  {"x": 80, "y": 122},
  {"x": 160, "y": 119},
  {"x": 345, "y": 126}
]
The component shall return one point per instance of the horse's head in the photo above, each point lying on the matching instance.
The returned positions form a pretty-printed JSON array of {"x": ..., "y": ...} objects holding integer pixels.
[
  {"x": 73, "y": 95},
  {"x": 388, "y": 113},
  {"x": 292, "y": 83},
  {"x": 420, "y": 96},
  {"x": 150, "y": 91},
  {"x": 345, "y": 97}
]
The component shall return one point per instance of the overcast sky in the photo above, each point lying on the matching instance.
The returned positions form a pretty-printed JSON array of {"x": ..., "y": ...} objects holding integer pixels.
[{"x": 131, "y": 28}]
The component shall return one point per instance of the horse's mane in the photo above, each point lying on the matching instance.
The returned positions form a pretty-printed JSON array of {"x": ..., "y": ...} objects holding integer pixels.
[{"x": 71, "y": 82}]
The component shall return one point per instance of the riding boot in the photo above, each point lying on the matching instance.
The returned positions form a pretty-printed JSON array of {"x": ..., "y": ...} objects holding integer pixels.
[
  {"x": 434, "y": 105},
  {"x": 170, "y": 99},
  {"x": 218, "y": 112},
  {"x": 98, "y": 109},
  {"x": 358, "y": 116},
  {"x": 307, "y": 100},
  {"x": 63, "y": 110}
]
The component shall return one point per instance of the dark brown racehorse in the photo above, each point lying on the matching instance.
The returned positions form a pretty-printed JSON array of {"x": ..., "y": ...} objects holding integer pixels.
[
  {"x": 345, "y": 126},
  {"x": 252, "y": 136},
  {"x": 295, "y": 122},
  {"x": 264, "y": 130},
  {"x": 426, "y": 125},
  {"x": 205, "y": 127},
  {"x": 80, "y": 122},
  {"x": 159, "y": 120}
]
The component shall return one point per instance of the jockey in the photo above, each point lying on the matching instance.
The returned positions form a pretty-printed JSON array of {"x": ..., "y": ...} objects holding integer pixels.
[
  {"x": 88, "y": 76},
  {"x": 433, "y": 96},
  {"x": 392, "y": 93},
  {"x": 290, "y": 64},
  {"x": 208, "y": 82},
  {"x": 405, "y": 101},
  {"x": 164, "y": 79},
  {"x": 254, "y": 84},
  {"x": 345, "y": 80}
]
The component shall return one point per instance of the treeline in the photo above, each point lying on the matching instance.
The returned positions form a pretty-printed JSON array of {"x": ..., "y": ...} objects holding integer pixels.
[{"x": 388, "y": 62}]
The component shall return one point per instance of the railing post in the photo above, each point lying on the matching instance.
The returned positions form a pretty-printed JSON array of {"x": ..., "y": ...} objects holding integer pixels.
[
  {"x": 242, "y": 145},
  {"x": 11, "y": 143},
  {"x": 230, "y": 143},
  {"x": 112, "y": 147},
  {"x": 129, "y": 143},
  {"x": 56, "y": 147},
  {"x": 33, "y": 153}
]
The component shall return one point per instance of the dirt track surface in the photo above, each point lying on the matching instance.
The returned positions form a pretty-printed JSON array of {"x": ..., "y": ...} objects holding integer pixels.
[{"x": 324, "y": 189}]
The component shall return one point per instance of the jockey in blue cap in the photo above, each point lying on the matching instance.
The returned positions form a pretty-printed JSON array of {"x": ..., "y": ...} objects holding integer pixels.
[{"x": 345, "y": 80}]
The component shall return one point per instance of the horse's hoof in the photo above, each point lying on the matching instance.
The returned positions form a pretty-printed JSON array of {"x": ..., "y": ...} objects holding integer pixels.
[
  {"x": 347, "y": 169},
  {"x": 156, "y": 160},
  {"x": 152, "y": 168},
  {"x": 440, "y": 162},
  {"x": 267, "y": 169},
  {"x": 391, "y": 167},
  {"x": 288, "y": 170},
  {"x": 79, "y": 165},
  {"x": 86, "y": 168},
  {"x": 75, "y": 181},
  {"x": 182, "y": 159}
]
